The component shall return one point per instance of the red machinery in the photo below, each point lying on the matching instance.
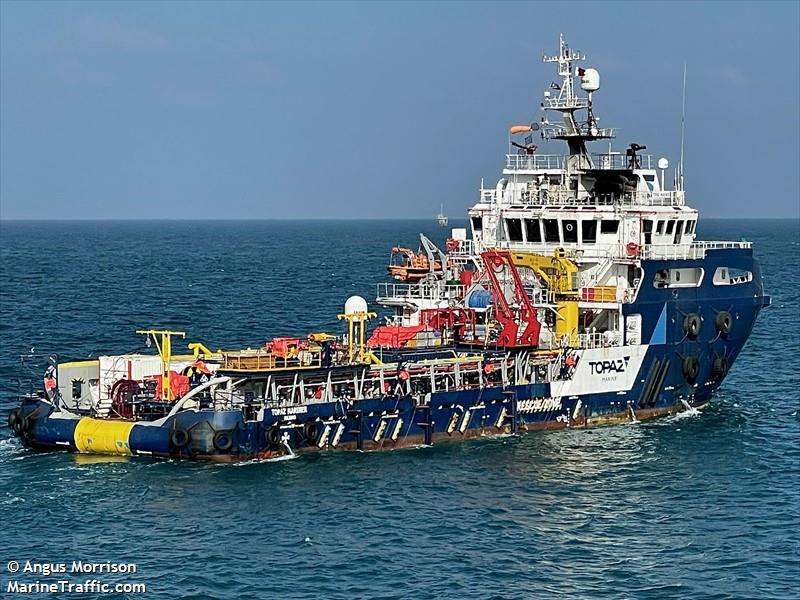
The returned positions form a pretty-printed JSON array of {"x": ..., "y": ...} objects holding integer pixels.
[
  {"x": 430, "y": 319},
  {"x": 495, "y": 261}
]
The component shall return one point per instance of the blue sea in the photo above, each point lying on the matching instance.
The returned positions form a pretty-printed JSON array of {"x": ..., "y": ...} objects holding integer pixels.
[{"x": 696, "y": 506}]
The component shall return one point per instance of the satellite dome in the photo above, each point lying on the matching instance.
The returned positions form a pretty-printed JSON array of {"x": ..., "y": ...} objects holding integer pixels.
[
  {"x": 355, "y": 304},
  {"x": 590, "y": 80},
  {"x": 663, "y": 163}
]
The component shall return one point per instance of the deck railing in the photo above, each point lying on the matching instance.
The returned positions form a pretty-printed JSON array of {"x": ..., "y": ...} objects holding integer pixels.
[
  {"x": 696, "y": 250},
  {"x": 600, "y": 340},
  {"x": 612, "y": 161},
  {"x": 420, "y": 291}
]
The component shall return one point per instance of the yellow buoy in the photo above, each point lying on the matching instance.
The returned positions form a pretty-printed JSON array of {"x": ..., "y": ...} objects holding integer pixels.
[{"x": 100, "y": 436}]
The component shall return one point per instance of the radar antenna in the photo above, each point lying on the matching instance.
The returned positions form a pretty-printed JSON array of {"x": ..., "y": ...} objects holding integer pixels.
[{"x": 573, "y": 131}]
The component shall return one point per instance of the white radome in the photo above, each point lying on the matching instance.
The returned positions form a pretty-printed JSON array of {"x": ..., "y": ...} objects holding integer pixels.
[
  {"x": 355, "y": 304},
  {"x": 663, "y": 163},
  {"x": 590, "y": 81}
]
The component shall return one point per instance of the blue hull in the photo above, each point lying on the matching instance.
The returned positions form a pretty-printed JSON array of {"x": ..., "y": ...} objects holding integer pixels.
[{"x": 661, "y": 387}]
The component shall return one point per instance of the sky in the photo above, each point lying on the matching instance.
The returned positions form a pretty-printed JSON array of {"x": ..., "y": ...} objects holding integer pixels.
[{"x": 257, "y": 110}]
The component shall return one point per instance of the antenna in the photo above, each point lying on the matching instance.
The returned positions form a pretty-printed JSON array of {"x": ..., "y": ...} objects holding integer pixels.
[{"x": 683, "y": 125}]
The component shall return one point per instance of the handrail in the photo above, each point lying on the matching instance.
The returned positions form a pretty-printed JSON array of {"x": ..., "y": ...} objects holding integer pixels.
[
  {"x": 419, "y": 291},
  {"x": 608, "y": 161}
]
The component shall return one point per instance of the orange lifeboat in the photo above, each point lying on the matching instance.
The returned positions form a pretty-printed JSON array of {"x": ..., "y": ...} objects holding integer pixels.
[{"x": 408, "y": 266}]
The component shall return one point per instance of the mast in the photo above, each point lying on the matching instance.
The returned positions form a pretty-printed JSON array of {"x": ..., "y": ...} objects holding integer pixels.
[{"x": 575, "y": 132}]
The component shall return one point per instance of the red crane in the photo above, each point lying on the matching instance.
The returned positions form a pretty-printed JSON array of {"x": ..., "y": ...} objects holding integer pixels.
[{"x": 494, "y": 261}]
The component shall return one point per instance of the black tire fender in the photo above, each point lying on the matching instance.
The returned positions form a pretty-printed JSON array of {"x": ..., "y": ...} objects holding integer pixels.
[
  {"x": 14, "y": 421},
  {"x": 724, "y": 322},
  {"x": 180, "y": 438},
  {"x": 273, "y": 436},
  {"x": 223, "y": 440},
  {"x": 691, "y": 325},
  {"x": 691, "y": 368},
  {"x": 312, "y": 431},
  {"x": 720, "y": 366}
]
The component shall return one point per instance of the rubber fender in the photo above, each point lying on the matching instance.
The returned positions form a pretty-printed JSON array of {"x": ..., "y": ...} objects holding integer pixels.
[
  {"x": 691, "y": 368},
  {"x": 273, "y": 436},
  {"x": 180, "y": 438},
  {"x": 25, "y": 423},
  {"x": 14, "y": 421},
  {"x": 720, "y": 366},
  {"x": 691, "y": 325},
  {"x": 724, "y": 322},
  {"x": 223, "y": 440},
  {"x": 312, "y": 431}
]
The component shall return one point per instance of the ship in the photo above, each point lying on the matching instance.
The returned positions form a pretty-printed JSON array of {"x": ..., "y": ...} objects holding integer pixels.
[
  {"x": 578, "y": 296},
  {"x": 441, "y": 218}
]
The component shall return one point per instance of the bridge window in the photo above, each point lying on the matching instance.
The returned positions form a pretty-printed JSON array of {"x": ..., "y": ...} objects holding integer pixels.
[
  {"x": 477, "y": 223},
  {"x": 589, "y": 231},
  {"x": 647, "y": 228},
  {"x": 659, "y": 227},
  {"x": 609, "y": 226},
  {"x": 533, "y": 231},
  {"x": 570, "y": 232},
  {"x": 690, "y": 227},
  {"x": 514, "y": 230},
  {"x": 551, "y": 230},
  {"x": 670, "y": 227},
  {"x": 678, "y": 233}
]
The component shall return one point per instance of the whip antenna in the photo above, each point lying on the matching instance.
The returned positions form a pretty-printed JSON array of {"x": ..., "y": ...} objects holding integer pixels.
[{"x": 683, "y": 125}]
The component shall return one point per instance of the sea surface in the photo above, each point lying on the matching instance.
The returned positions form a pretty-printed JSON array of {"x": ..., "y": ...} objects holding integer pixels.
[{"x": 695, "y": 506}]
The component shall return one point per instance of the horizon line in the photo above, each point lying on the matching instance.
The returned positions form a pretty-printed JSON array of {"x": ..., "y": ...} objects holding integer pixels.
[{"x": 315, "y": 219}]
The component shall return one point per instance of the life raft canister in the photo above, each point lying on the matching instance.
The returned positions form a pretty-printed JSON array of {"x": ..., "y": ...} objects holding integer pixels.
[
  {"x": 691, "y": 325},
  {"x": 691, "y": 368},
  {"x": 724, "y": 322}
]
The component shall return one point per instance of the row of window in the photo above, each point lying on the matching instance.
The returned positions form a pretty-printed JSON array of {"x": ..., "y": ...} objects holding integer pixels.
[
  {"x": 573, "y": 231},
  {"x": 693, "y": 277}
]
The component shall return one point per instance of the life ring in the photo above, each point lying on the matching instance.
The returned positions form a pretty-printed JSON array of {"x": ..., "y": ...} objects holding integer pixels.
[
  {"x": 223, "y": 440},
  {"x": 691, "y": 368},
  {"x": 723, "y": 322},
  {"x": 312, "y": 431},
  {"x": 488, "y": 368},
  {"x": 273, "y": 436},
  {"x": 720, "y": 367},
  {"x": 180, "y": 438},
  {"x": 403, "y": 375},
  {"x": 452, "y": 244},
  {"x": 691, "y": 325},
  {"x": 632, "y": 248}
]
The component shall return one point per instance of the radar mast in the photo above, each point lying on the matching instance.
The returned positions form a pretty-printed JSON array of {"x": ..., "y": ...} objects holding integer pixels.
[{"x": 575, "y": 132}]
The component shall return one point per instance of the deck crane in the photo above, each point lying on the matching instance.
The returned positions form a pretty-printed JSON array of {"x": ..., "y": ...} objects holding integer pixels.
[{"x": 496, "y": 260}]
